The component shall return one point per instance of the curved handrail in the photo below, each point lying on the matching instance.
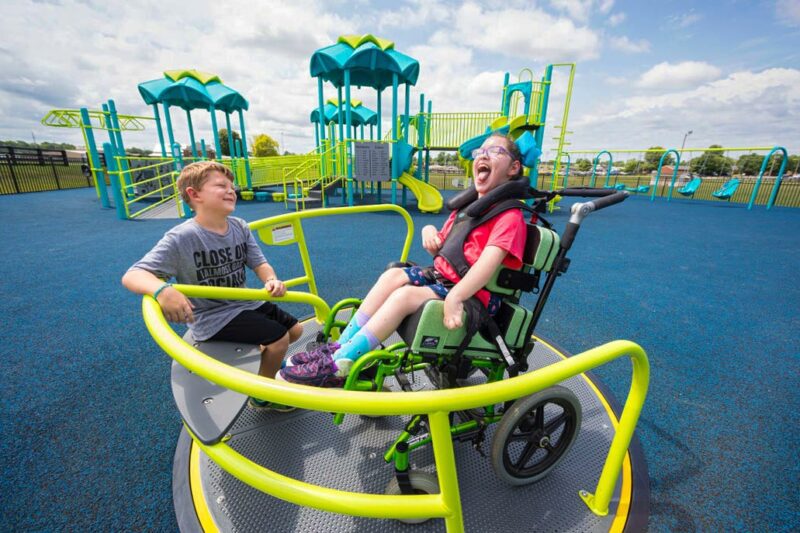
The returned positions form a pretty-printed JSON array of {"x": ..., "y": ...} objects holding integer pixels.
[
  {"x": 331, "y": 211},
  {"x": 778, "y": 178},
  {"x": 297, "y": 236},
  {"x": 608, "y": 170},
  {"x": 674, "y": 173},
  {"x": 437, "y": 404}
]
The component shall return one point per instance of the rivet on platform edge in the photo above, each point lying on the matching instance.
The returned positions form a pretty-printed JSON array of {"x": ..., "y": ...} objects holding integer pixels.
[{"x": 207, "y": 401}]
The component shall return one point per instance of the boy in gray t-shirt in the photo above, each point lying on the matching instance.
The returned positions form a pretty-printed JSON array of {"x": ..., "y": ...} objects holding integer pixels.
[{"x": 213, "y": 249}]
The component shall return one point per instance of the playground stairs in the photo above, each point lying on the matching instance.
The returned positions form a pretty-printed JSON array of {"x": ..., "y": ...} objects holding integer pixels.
[
  {"x": 168, "y": 209},
  {"x": 312, "y": 196}
]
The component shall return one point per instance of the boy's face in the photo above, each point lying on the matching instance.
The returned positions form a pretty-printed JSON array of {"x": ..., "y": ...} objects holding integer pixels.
[
  {"x": 494, "y": 166},
  {"x": 215, "y": 195}
]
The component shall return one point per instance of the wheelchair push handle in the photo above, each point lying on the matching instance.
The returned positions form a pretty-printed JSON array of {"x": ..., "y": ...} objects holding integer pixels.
[
  {"x": 580, "y": 210},
  {"x": 605, "y": 198}
]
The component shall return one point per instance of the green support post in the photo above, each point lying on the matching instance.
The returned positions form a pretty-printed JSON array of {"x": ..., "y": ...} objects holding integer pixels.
[
  {"x": 395, "y": 173},
  {"x": 168, "y": 122},
  {"x": 160, "y": 131},
  {"x": 348, "y": 143},
  {"x": 246, "y": 156},
  {"x": 427, "y": 144},
  {"x": 116, "y": 185},
  {"x": 94, "y": 158},
  {"x": 191, "y": 133},
  {"x": 217, "y": 145},
  {"x": 230, "y": 133}
]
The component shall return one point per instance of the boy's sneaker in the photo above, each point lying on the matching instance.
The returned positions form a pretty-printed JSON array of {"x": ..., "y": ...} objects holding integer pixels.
[
  {"x": 314, "y": 351},
  {"x": 319, "y": 372},
  {"x": 265, "y": 405}
]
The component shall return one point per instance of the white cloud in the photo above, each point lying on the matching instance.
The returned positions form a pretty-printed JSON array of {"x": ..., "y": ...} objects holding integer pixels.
[
  {"x": 425, "y": 11},
  {"x": 264, "y": 55},
  {"x": 530, "y": 33},
  {"x": 616, "y": 19},
  {"x": 616, "y": 80},
  {"x": 723, "y": 111},
  {"x": 684, "y": 20},
  {"x": 581, "y": 10},
  {"x": 678, "y": 76},
  {"x": 788, "y": 12},
  {"x": 624, "y": 44}
]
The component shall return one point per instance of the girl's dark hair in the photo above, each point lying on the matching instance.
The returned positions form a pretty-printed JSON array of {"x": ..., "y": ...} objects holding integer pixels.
[{"x": 513, "y": 149}]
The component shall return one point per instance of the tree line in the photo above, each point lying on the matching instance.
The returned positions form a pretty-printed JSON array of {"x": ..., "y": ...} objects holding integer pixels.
[
  {"x": 710, "y": 163},
  {"x": 261, "y": 145}
]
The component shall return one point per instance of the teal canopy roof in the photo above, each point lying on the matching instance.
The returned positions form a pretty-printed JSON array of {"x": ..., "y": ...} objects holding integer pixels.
[
  {"x": 359, "y": 115},
  {"x": 371, "y": 61},
  {"x": 190, "y": 89}
]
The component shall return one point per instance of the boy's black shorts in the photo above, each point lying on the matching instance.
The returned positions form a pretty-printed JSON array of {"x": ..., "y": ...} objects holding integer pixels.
[{"x": 263, "y": 325}]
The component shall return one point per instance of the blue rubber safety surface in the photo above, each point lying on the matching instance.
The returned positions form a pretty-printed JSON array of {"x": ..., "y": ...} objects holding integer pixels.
[{"x": 709, "y": 289}]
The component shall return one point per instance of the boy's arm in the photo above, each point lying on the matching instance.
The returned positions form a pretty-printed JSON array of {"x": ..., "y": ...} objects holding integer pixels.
[
  {"x": 177, "y": 307},
  {"x": 267, "y": 275},
  {"x": 478, "y": 276}
]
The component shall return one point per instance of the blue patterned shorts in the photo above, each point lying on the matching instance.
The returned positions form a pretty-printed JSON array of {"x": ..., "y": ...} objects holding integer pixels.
[{"x": 429, "y": 277}]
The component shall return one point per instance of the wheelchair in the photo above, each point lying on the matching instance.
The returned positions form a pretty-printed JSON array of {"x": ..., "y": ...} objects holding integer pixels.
[{"x": 534, "y": 432}]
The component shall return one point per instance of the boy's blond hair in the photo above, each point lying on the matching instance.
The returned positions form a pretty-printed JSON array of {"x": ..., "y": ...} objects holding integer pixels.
[{"x": 194, "y": 175}]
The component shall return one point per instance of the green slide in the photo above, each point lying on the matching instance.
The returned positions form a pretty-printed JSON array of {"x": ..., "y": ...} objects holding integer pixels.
[{"x": 429, "y": 199}]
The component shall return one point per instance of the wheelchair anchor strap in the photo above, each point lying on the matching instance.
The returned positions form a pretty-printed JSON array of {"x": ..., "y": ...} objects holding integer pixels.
[
  {"x": 497, "y": 337},
  {"x": 458, "y": 366}
]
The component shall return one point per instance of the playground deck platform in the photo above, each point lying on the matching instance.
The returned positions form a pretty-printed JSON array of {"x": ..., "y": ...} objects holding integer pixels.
[{"x": 706, "y": 288}]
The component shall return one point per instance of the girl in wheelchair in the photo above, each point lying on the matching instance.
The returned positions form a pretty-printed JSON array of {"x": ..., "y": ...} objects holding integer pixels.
[{"x": 466, "y": 256}]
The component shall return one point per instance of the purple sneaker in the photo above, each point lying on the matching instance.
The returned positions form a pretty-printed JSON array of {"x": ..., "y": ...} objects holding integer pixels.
[
  {"x": 319, "y": 372},
  {"x": 314, "y": 351}
]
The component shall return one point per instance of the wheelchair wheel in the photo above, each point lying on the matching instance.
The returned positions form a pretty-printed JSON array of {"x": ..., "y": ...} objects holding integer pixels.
[
  {"x": 534, "y": 435},
  {"x": 422, "y": 483}
]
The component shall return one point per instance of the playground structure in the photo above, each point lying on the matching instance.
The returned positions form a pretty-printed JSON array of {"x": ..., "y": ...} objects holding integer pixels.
[
  {"x": 150, "y": 181},
  {"x": 211, "y": 382},
  {"x": 344, "y": 159},
  {"x": 692, "y": 182}
]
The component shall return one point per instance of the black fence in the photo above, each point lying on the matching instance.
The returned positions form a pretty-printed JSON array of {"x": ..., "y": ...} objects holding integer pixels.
[{"x": 36, "y": 169}]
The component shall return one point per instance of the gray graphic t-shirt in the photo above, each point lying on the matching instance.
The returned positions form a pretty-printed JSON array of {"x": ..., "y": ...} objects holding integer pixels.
[{"x": 193, "y": 255}]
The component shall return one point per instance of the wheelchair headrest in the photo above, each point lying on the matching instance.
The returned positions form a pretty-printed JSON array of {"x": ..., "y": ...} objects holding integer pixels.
[{"x": 518, "y": 188}]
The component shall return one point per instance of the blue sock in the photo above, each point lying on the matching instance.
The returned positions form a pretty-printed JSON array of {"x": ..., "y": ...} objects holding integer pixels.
[
  {"x": 355, "y": 325},
  {"x": 361, "y": 343}
]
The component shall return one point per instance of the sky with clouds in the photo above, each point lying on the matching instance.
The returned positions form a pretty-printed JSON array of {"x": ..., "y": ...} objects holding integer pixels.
[{"x": 647, "y": 72}]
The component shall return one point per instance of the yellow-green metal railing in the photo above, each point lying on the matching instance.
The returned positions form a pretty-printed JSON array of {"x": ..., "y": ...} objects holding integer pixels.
[
  {"x": 270, "y": 170},
  {"x": 436, "y": 404},
  {"x": 788, "y": 195},
  {"x": 287, "y": 228},
  {"x": 448, "y": 131},
  {"x": 166, "y": 192}
]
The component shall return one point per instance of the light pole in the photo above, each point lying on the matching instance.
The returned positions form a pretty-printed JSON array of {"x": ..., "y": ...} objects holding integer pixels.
[{"x": 684, "y": 142}]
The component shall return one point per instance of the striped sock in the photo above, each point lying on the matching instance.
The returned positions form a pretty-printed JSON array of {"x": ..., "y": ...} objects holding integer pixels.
[
  {"x": 361, "y": 343},
  {"x": 355, "y": 325}
]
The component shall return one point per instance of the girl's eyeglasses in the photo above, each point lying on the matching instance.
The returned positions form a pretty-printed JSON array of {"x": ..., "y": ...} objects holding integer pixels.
[{"x": 491, "y": 151}]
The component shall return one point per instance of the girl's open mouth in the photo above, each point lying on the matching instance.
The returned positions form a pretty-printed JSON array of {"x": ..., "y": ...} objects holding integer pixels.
[{"x": 482, "y": 171}]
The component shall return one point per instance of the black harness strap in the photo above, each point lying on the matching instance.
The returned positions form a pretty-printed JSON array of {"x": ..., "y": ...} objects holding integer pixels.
[{"x": 453, "y": 248}]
